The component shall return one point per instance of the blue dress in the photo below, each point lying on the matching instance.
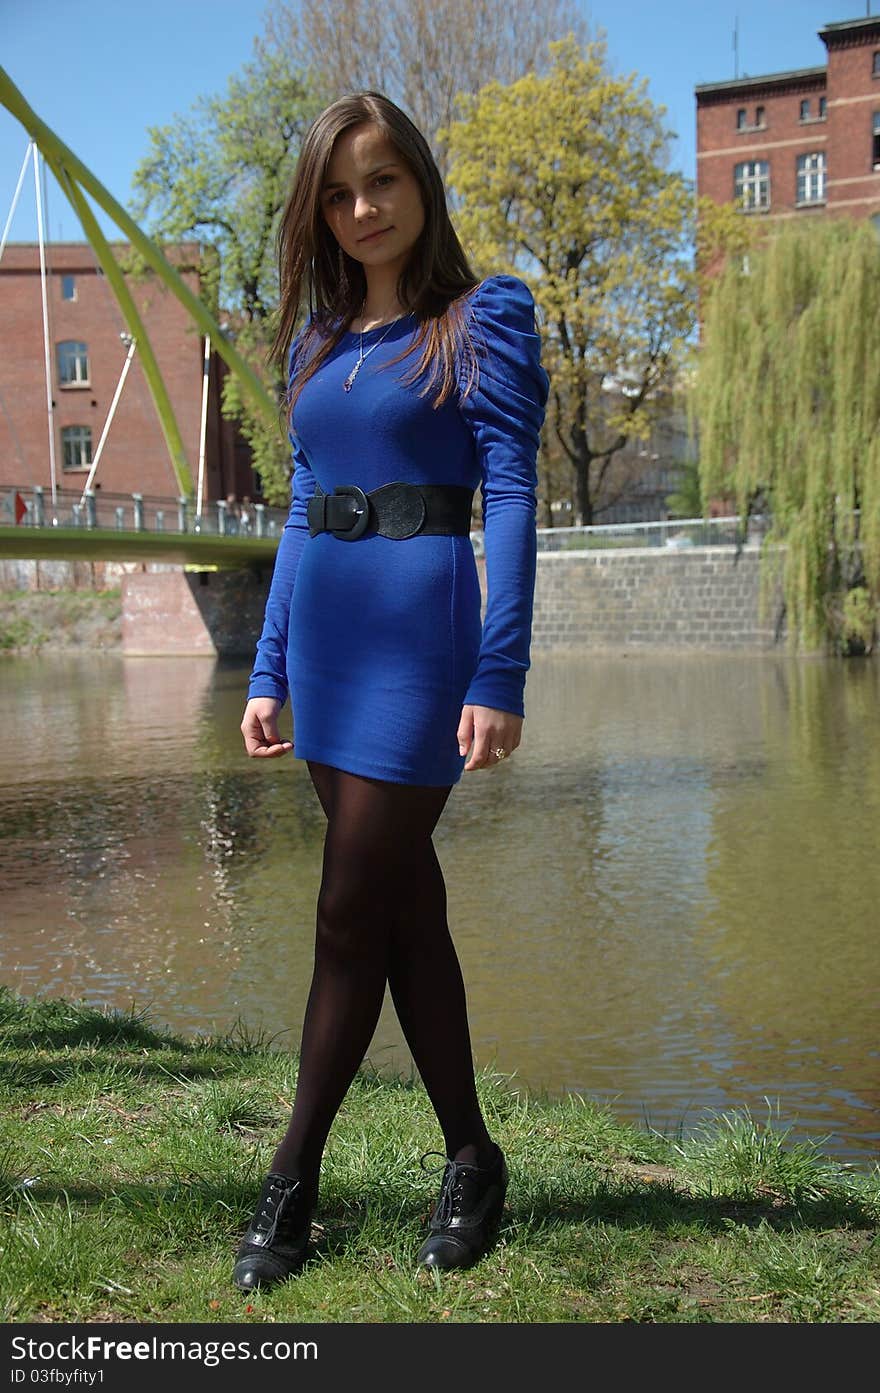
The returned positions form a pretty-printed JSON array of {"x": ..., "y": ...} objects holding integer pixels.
[{"x": 379, "y": 641}]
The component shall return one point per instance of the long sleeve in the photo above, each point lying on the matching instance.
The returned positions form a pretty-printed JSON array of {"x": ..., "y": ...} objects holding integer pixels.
[
  {"x": 505, "y": 413},
  {"x": 269, "y": 673}
]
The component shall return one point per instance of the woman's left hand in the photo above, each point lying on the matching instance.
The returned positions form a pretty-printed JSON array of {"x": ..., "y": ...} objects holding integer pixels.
[{"x": 488, "y": 730}]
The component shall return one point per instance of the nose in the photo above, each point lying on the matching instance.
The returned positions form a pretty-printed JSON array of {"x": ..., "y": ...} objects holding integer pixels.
[{"x": 362, "y": 206}]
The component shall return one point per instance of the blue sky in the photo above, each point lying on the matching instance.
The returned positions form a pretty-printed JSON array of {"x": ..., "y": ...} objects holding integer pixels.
[{"x": 99, "y": 75}]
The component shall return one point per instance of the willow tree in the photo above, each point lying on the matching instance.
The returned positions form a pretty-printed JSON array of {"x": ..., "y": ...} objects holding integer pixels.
[
  {"x": 564, "y": 180},
  {"x": 787, "y": 401}
]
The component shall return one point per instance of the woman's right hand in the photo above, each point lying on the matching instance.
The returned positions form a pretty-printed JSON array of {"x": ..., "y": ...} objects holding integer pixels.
[{"x": 259, "y": 726}]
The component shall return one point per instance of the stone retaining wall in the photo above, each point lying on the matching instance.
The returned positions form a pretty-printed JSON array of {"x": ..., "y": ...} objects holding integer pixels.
[
  {"x": 18, "y": 574},
  {"x": 696, "y": 597},
  {"x": 660, "y": 597}
]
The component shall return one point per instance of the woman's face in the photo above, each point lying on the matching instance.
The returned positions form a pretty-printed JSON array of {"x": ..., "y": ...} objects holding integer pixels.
[{"x": 368, "y": 190}]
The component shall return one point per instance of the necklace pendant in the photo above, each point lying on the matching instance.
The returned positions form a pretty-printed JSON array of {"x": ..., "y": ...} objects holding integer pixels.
[{"x": 349, "y": 381}]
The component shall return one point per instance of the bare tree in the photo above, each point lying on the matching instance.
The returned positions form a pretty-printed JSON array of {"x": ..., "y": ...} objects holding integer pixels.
[{"x": 420, "y": 53}]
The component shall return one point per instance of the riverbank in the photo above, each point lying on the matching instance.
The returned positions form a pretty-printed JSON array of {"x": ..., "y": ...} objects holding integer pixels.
[
  {"x": 130, "y": 1159},
  {"x": 33, "y": 621}
]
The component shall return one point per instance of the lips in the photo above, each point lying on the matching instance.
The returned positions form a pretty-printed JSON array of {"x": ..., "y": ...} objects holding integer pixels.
[{"x": 373, "y": 235}]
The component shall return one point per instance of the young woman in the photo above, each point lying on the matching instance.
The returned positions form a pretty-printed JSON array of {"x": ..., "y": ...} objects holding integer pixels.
[{"x": 410, "y": 384}]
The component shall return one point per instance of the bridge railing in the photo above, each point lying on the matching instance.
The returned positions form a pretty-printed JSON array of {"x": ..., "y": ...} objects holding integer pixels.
[{"x": 138, "y": 512}]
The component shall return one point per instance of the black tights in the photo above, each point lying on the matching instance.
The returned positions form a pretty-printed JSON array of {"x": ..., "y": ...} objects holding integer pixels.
[{"x": 381, "y": 916}]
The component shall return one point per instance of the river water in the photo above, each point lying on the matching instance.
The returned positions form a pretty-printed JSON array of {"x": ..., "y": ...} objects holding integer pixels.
[{"x": 668, "y": 900}]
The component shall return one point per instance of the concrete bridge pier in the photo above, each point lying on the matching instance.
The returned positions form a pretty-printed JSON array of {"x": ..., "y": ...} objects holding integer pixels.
[{"x": 174, "y": 609}]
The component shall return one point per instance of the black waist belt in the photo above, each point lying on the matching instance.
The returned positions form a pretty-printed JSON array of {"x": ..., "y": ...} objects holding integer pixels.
[{"x": 395, "y": 510}]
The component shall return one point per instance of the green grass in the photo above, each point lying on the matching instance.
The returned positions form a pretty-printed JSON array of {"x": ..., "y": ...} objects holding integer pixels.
[
  {"x": 17, "y": 632},
  {"x": 598, "y": 541},
  {"x": 130, "y": 1161},
  {"x": 31, "y": 620}
]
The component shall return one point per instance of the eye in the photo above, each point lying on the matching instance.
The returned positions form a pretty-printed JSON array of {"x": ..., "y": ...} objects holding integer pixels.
[{"x": 340, "y": 193}]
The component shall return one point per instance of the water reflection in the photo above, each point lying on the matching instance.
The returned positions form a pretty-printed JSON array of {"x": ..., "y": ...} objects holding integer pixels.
[{"x": 666, "y": 900}]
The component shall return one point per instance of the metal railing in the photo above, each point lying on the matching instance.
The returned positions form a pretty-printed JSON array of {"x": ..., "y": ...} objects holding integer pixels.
[
  {"x": 138, "y": 512},
  {"x": 670, "y": 532}
]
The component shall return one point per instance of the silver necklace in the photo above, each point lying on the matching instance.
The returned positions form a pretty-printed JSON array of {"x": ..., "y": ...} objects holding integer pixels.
[{"x": 349, "y": 381}]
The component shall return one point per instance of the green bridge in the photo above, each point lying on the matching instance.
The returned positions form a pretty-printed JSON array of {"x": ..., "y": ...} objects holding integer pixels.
[
  {"x": 89, "y": 526},
  {"x": 73, "y": 544}
]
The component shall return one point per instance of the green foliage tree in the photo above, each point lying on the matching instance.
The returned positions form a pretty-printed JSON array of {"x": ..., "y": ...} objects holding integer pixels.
[
  {"x": 787, "y": 400},
  {"x": 687, "y": 500},
  {"x": 721, "y": 232},
  {"x": 222, "y": 174},
  {"x": 564, "y": 180}
]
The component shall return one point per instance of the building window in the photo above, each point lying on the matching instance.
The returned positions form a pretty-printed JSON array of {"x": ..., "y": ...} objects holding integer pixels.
[
  {"x": 805, "y": 109},
  {"x": 73, "y": 362},
  {"x": 811, "y": 178},
  {"x": 876, "y": 150},
  {"x": 751, "y": 184},
  {"x": 823, "y": 107},
  {"x": 68, "y": 287},
  {"x": 741, "y": 119},
  {"x": 759, "y": 116},
  {"x": 875, "y": 66},
  {"x": 76, "y": 443}
]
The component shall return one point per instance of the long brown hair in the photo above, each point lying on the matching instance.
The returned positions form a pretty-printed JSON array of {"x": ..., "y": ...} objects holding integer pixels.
[{"x": 432, "y": 285}]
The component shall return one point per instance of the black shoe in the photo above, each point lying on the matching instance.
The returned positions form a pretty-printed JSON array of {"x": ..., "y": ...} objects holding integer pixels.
[
  {"x": 277, "y": 1241},
  {"x": 466, "y": 1214}
]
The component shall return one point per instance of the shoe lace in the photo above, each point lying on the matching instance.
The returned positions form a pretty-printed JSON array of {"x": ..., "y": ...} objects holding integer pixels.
[
  {"x": 278, "y": 1200},
  {"x": 454, "y": 1173}
]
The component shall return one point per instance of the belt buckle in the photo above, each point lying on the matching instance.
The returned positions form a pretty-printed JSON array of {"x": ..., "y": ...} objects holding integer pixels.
[
  {"x": 316, "y": 512},
  {"x": 362, "y": 519}
]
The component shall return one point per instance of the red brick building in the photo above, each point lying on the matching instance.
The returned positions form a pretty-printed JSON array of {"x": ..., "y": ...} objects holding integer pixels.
[
  {"x": 87, "y": 355},
  {"x": 798, "y": 144}
]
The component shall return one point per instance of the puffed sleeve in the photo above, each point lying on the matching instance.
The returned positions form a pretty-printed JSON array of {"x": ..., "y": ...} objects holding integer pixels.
[
  {"x": 505, "y": 413},
  {"x": 269, "y": 673}
]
